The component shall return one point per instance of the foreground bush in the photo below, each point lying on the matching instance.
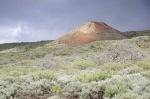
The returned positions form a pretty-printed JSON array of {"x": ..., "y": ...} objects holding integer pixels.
[
  {"x": 93, "y": 91},
  {"x": 113, "y": 89},
  {"x": 94, "y": 76},
  {"x": 72, "y": 90},
  {"x": 43, "y": 74}
]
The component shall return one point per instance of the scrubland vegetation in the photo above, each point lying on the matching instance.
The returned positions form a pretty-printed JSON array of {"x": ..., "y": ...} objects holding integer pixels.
[{"x": 111, "y": 69}]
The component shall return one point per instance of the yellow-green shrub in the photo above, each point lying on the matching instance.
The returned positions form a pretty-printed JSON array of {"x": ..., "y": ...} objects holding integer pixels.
[
  {"x": 56, "y": 89},
  {"x": 83, "y": 64},
  {"x": 146, "y": 73},
  {"x": 114, "y": 66},
  {"x": 94, "y": 76},
  {"x": 43, "y": 74},
  {"x": 145, "y": 64},
  {"x": 113, "y": 89}
]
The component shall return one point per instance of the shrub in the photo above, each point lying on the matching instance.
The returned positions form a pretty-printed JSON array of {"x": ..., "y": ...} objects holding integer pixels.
[
  {"x": 93, "y": 90},
  {"x": 43, "y": 74},
  {"x": 56, "y": 88},
  {"x": 83, "y": 64},
  {"x": 145, "y": 64},
  {"x": 146, "y": 73},
  {"x": 114, "y": 66},
  {"x": 130, "y": 95},
  {"x": 16, "y": 73},
  {"x": 72, "y": 90},
  {"x": 94, "y": 76},
  {"x": 113, "y": 89},
  {"x": 34, "y": 89},
  {"x": 7, "y": 90},
  {"x": 131, "y": 70}
]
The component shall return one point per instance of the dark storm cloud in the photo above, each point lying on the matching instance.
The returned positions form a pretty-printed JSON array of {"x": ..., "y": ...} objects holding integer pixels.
[{"x": 30, "y": 20}]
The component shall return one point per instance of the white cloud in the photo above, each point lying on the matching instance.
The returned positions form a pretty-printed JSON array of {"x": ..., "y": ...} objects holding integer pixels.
[
  {"x": 16, "y": 31},
  {"x": 10, "y": 34},
  {"x": 22, "y": 33}
]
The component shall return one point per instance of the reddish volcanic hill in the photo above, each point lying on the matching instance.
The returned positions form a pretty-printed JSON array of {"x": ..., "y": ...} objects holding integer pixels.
[{"x": 91, "y": 31}]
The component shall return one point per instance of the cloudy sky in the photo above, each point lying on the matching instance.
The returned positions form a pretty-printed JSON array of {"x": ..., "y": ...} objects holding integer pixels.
[{"x": 33, "y": 20}]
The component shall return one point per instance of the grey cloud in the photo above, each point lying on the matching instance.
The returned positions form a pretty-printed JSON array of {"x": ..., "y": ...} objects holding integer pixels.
[{"x": 48, "y": 19}]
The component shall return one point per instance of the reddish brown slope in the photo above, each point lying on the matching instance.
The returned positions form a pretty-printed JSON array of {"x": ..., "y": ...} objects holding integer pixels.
[{"x": 91, "y": 31}]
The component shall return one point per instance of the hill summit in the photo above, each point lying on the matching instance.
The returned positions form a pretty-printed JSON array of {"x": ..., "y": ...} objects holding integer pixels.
[{"x": 91, "y": 31}]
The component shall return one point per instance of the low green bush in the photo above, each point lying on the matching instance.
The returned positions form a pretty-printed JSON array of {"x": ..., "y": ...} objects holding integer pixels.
[
  {"x": 72, "y": 90},
  {"x": 94, "y": 76},
  {"x": 56, "y": 89},
  {"x": 146, "y": 74},
  {"x": 43, "y": 74},
  {"x": 145, "y": 64},
  {"x": 93, "y": 90},
  {"x": 113, "y": 89},
  {"x": 114, "y": 66},
  {"x": 83, "y": 64}
]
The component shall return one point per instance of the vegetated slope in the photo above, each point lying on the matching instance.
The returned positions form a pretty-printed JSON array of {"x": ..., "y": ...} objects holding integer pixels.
[
  {"x": 131, "y": 34},
  {"x": 91, "y": 31},
  {"x": 94, "y": 70},
  {"x": 13, "y": 45}
]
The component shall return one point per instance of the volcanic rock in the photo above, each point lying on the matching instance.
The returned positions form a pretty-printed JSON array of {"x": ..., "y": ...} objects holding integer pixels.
[{"x": 91, "y": 31}]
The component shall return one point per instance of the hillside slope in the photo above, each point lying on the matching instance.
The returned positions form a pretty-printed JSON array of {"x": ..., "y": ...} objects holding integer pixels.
[
  {"x": 109, "y": 69},
  {"x": 131, "y": 34}
]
